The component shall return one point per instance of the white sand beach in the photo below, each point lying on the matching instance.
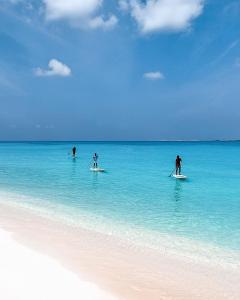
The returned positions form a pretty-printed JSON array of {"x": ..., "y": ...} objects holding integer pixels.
[
  {"x": 43, "y": 259},
  {"x": 26, "y": 274}
]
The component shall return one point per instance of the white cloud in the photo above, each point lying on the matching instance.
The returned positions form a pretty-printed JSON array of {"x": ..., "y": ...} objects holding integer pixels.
[
  {"x": 80, "y": 13},
  {"x": 56, "y": 68},
  {"x": 123, "y": 5},
  {"x": 153, "y": 75},
  {"x": 100, "y": 22},
  {"x": 165, "y": 15},
  {"x": 70, "y": 9}
]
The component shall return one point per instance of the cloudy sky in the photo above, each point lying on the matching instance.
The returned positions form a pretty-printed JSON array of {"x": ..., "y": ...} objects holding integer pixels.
[{"x": 119, "y": 69}]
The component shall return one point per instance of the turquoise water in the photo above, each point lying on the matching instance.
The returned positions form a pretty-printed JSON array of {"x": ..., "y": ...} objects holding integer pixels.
[{"x": 135, "y": 197}]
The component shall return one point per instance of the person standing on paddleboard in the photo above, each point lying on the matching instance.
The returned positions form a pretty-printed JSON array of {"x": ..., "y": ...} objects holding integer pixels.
[
  {"x": 178, "y": 165},
  {"x": 74, "y": 151},
  {"x": 95, "y": 159}
]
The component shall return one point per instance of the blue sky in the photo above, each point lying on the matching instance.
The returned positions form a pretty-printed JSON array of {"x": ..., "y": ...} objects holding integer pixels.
[{"x": 119, "y": 70}]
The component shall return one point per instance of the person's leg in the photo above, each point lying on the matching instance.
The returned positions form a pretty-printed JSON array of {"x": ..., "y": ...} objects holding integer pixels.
[
  {"x": 179, "y": 170},
  {"x": 176, "y": 170}
]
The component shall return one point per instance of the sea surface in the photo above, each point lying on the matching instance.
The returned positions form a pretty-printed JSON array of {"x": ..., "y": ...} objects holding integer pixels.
[{"x": 135, "y": 198}]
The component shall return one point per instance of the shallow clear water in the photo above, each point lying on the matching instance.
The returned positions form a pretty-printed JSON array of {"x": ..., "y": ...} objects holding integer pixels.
[{"x": 135, "y": 196}]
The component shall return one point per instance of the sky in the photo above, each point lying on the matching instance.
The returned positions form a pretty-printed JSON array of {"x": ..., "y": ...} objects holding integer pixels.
[{"x": 119, "y": 69}]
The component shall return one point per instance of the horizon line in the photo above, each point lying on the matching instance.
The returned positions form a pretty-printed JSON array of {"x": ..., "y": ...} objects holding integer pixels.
[{"x": 118, "y": 141}]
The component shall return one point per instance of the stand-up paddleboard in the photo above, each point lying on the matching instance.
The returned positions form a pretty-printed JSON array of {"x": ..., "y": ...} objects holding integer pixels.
[
  {"x": 97, "y": 170},
  {"x": 179, "y": 176}
]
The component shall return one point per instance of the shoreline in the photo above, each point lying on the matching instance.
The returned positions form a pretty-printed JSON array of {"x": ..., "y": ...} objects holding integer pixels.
[
  {"x": 125, "y": 270},
  {"x": 184, "y": 248}
]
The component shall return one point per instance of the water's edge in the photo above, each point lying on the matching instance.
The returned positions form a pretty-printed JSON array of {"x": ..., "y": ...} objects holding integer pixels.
[{"x": 181, "y": 247}]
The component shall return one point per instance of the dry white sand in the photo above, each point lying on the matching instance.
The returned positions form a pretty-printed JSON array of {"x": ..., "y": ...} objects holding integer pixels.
[
  {"x": 28, "y": 275},
  {"x": 122, "y": 269}
]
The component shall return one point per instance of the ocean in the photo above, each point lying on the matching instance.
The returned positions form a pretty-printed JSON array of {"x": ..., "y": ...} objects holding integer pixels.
[{"x": 135, "y": 199}]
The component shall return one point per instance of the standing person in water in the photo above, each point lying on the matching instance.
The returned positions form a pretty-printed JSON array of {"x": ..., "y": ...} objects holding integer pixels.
[
  {"x": 95, "y": 159},
  {"x": 178, "y": 165},
  {"x": 74, "y": 151}
]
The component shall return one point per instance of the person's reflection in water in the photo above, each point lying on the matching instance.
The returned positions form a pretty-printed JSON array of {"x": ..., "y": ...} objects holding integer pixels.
[
  {"x": 74, "y": 166},
  {"x": 95, "y": 181},
  {"x": 178, "y": 215},
  {"x": 178, "y": 191}
]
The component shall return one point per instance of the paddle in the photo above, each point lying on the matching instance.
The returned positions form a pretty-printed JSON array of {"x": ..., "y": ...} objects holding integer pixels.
[{"x": 172, "y": 172}]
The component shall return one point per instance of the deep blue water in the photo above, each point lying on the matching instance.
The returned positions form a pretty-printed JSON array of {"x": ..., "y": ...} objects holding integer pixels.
[{"x": 136, "y": 192}]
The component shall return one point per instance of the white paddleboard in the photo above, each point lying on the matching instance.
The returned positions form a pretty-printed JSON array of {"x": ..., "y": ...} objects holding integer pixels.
[
  {"x": 179, "y": 176},
  {"x": 97, "y": 170}
]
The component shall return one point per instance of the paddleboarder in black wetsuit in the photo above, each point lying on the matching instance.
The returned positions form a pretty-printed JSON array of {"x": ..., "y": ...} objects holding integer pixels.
[
  {"x": 74, "y": 151},
  {"x": 95, "y": 159},
  {"x": 178, "y": 165}
]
